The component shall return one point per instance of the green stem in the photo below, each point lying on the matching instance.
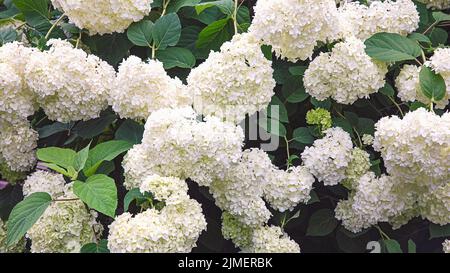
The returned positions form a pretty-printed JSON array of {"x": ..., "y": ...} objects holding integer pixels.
[
  {"x": 54, "y": 25},
  {"x": 288, "y": 152},
  {"x": 235, "y": 16},
  {"x": 398, "y": 106},
  {"x": 382, "y": 233},
  {"x": 66, "y": 200}
]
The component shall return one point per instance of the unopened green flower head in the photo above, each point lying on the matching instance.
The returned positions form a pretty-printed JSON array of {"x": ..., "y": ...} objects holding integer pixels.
[
  {"x": 239, "y": 233},
  {"x": 320, "y": 117}
]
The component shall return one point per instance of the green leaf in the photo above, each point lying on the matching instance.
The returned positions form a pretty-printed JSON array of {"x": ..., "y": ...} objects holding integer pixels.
[
  {"x": 130, "y": 131},
  {"x": 272, "y": 126},
  {"x": 94, "y": 127},
  {"x": 112, "y": 48},
  {"x": 411, "y": 246},
  {"x": 303, "y": 135},
  {"x": 215, "y": 34},
  {"x": 140, "y": 33},
  {"x": 59, "y": 156},
  {"x": 439, "y": 16},
  {"x": 36, "y": 12},
  {"x": 432, "y": 84},
  {"x": 54, "y": 128},
  {"x": 99, "y": 192},
  {"x": 277, "y": 110},
  {"x": 25, "y": 214},
  {"x": 226, "y": 6},
  {"x": 105, "y": 151},
  {"x": 392, "y": 246},
  {"x": 438, "y": 231},
  {"x": 390, "y": 47},
  {"x": 166, "y": 31},
  {"x": 387, "y": 90},
  {"x": 130, "y": 197},
  {"x": 101, "y": 247},
  {"x": 7, "y": 35},
  {"x": 175, "y": 6},
  {"x": 321, "y": 223},
  {"x": 176, "y": 57},
  {"x": 420, "y": 38},
  {"x": 297, "y": 70},
  {"x": 81, "y": 157}
]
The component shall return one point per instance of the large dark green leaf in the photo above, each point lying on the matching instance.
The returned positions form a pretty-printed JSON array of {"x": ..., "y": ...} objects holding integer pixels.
[
  {"x": 321, "y": 223},
  {"x": 25, "y": 214},
  {"x": 166, "y": 31},
  {"x": 432, "y": 84},
  {"x": 390, "y": 47}
]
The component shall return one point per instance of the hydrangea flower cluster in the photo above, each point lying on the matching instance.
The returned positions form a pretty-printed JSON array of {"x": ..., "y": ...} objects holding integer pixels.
[
  {"x": 142, "y": 88},
  {"x": 176, "y": 144},
  {"x": 363, "y": 21},
  {"x": 416, "y": 147},
  {"x": 65, "y": 226},
  {"x": 104, "y": 16},
  {"x": 70, "y": 85},
  {"x": 173, "y": 229},
  {"x": 346, "y": 74},
  {"x": 233, "y": 95},
  {"x": 330, "y": 156},
  {"x": 294, "y": 27},
  {"x": 271, "y": 239}
]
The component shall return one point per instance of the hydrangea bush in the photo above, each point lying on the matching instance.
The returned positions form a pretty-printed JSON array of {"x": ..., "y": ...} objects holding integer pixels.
[{"x": 224, "y": 126}]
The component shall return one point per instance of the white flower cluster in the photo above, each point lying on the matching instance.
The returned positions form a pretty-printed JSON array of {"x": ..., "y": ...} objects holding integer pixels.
[
  {"x": 42, "y": 181},
  {"x": 294, "y": 27},
  {"x": 373, "y": 200},
  {"x": 104, "y": 16},
  {"x": 242, "y": 191},
  {"x": 346, "y": 74},
  {"x": 438, "y": 4},
  {"x": 17, "y": 144},
  {"x": 65, "y": 226},
  {"x": 416, "y": 153},
  {"x": 239, "y": 233},
  {"x": 286, "y": 189},
  {"x": 363, "y": 21},
  {"x": 70, "y": 85},
  {"x": 16, "y": 248},
  {"x": 416, "y": 147},
  {"x": 173, "y": 229},
  {"x": 329, "y": 157},
  {"x": 271, "y": 239},
  {"x": 176, "y": 144},
  {"x": 446, "y": 246},
  {"x": 142, "y": 88},
  {"x": 17, "y": 102},
  {"x": 233, "y": 82}
]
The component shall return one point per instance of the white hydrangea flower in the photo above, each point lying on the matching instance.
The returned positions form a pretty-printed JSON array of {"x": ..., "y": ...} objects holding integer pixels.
[
  {"x": 272, "y": 240},
  {"x": 409, "y": 90},
  {"x": 363, "y": 21},
  {"x": 446, "y": 246},
  {"x": 286, "y": 189},
  {"x": 233, "y": 82},
  {"x": 104, "y": 16},
  {"x": 17, "y": 146},
  {"x": 19, "y": 247},
  {"x": 373, "y": 200},
  {"x": 357, "y": 167},
  {"x": 346, "y": 74},
  {"x": 416, "y": 147},
  {"x": 330, "y": 156},
  {"x": 17, "y": 102},
  {"x": 435, "y": 205},
  {"x": 171, "y": 190},
  {"x": 70, "y": 85},
  {"x": 42, "y": 181},
  {"x": 241, "y": 191},
  {"x": 64, "y": 227},
  {"x": 142, "y": 88},
  {"x": 176, "y": 144},
  {"x": 438, "y": 4},
  {"x": 174, "y": 229},
  {"x": 294, "y": 27}
]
